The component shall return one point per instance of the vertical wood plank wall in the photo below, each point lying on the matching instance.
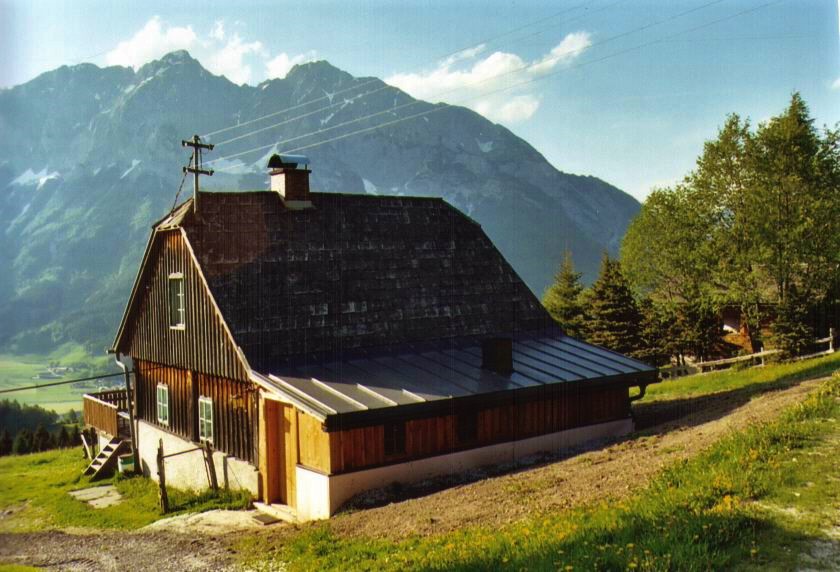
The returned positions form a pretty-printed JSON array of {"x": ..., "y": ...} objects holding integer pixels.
[
  {"x": 353, "y": 449},
  {"x": 203, "y": 344},
  {"x": 272, "y": 449},
  {"x": 290, "y": 453},
  {"x": 234, "y": 406}
]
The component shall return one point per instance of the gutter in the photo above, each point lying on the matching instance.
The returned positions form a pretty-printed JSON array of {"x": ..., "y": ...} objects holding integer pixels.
[{"x": 131, "y": 423}]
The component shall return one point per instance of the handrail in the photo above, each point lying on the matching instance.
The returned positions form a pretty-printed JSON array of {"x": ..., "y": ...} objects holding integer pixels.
[{"x": 92, "y": 397}]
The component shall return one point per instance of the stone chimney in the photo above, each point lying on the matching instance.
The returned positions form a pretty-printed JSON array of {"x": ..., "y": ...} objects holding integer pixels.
[
  {"x": 290, "y": 179},
  {"x": 497, "y": 355}
]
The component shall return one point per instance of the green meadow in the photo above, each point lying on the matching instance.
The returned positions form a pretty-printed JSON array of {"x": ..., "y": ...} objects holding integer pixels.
[{"x": 19, "y": 371}]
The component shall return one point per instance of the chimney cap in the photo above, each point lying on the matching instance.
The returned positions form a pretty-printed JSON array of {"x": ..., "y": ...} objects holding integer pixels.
[{"x": 278, "y": 161}]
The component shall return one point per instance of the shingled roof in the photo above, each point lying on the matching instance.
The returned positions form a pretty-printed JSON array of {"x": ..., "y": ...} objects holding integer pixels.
[{"x": 353, "y": 271}]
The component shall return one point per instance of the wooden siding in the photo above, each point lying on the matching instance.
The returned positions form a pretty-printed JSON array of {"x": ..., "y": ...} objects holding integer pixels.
[
  {"x": 314, "y": 443},
  {"x": 203, "y": 345},
  {"x": 234, "y": 406},
  {"x": 363, "y": 447}
]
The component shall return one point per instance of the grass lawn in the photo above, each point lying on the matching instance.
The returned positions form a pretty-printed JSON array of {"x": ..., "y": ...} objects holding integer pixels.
[
  {"x": 759, "y": 499},
  {"x": 18, "y": 371},
  {"x": 33, "y": 494},
  {"x": 758, "y": 378}
]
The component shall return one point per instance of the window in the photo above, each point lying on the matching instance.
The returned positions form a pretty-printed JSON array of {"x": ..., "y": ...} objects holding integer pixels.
[
  {"x": 394, "y": 439},
  {"x": 205, "y": 419},
  {"x": 163, "y": 404},
  {"x": 176, "y": 301},
  {"x": 467, "y": 427}
]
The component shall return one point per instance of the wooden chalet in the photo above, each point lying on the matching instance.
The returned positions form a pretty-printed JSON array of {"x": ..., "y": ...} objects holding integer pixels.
[{"x": 325, "y": 344}]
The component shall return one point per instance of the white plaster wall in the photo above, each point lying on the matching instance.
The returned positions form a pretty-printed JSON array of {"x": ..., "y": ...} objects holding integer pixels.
[
  {"x": 188, "y": 471},
  {"x": 313, "y": 494},
  {"x": 319, "y": 496}
]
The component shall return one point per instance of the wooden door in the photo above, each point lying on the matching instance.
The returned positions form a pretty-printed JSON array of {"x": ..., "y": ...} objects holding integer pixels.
[
  {"x": 290, "y": 454},
  {"x": 272, "y": 444}
]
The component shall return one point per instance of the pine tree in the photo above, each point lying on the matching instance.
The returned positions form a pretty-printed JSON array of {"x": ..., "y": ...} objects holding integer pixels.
[
  {"x": 562, "y": 298},
  {"x": 23, "y": 442},
  {"x": 41, "y": 439},
  {"x": 63, "y": 440},
  {"x": 615, "y": 320},
  {"x": 72, "y": 416},
  {"x": 654, "y": 335},
  {"x": 6, "y": 443},
  {"x": 791, "y": 332},
  {"x": 75, "y": 436}
]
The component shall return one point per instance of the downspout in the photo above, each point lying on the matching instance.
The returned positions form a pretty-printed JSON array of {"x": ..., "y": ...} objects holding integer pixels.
[
  {"x": 131, "y": 427},
  {"x": 642, "y": 389}
]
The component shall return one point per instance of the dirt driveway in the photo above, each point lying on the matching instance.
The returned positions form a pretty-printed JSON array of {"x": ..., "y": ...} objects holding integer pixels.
[{"x": 669, "y": 430}]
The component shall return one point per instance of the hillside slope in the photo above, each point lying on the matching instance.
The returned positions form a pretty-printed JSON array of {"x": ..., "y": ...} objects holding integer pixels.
[{"x": 92, "y": 156}]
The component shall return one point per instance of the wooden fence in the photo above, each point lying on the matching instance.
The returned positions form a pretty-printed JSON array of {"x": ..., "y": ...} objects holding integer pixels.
[{"x": 673, "y": 371}]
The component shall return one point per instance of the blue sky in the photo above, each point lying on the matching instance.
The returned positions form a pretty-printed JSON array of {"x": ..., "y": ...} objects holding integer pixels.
[{"x": 626, "y": 90}]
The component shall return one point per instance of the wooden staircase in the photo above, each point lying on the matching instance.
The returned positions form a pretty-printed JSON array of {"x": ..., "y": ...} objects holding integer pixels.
[{"x": 105, "y": 462}]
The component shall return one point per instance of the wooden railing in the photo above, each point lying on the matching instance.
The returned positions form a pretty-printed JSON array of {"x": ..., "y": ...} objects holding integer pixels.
[
  {"x": 101, "y": 411},
  {"x": 751, "y": 358}
]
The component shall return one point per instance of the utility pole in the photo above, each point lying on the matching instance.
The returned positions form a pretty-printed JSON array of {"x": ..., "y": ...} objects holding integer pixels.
[{"x": 195, "y": 165}]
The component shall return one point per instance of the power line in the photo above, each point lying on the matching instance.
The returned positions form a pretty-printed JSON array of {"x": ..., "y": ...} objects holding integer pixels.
[
  {"x": 439, "y": 94},
  {"x": 372, "y": 81},
  {"x": 446, "y": 106},
  {"x": 65, "y": 382},
  {"x": 69, "y": 381},
  {"x": 387, "y": 86}
]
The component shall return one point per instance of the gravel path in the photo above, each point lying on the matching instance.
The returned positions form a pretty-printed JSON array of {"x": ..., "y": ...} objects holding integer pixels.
[{"x": 669, "y": 430}]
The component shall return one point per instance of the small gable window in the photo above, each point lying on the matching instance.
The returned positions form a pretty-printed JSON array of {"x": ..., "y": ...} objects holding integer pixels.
[
  {"x": 177, "y": 310},
  {"x": 394, "y": 439},
  {"x": 163, "y": 404},
  {"x": 205, "y": 419}
]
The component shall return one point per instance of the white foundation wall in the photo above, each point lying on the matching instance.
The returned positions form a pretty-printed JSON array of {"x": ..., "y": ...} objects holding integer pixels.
[
  {"x": 319, "y": 496},
  {"x": 189, "y": 471}
]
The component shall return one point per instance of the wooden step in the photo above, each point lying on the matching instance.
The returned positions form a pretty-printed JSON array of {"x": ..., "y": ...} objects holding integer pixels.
[
  {"x": 281, "y": 512},
  {"x": 106, "y": 460}
]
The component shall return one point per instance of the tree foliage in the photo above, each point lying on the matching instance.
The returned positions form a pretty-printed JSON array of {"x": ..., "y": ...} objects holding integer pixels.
[
  {"x": 756, "y": 224},
  {"x": 614, "y": 320},
  {"x": 563, "y": 298}
]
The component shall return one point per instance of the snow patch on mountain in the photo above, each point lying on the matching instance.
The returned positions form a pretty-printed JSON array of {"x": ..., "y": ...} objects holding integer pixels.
[
  {"x": 134, "y": 163},
  {"x": 40, "y": 178},
  {"x": 370, "y": 188}
]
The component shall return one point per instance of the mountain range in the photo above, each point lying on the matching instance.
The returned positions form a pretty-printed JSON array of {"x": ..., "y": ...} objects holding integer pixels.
[{"x": 92, "y": 156}]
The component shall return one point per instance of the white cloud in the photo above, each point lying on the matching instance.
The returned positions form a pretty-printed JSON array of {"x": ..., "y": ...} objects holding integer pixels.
[
  {"x": 218, "y": 31},
  {"x": 515, "y": 109},
  {"x": 229, "y": 60},
  {"x": 221, "y": 51},
  {"x": 151, "y": 42},
  {"x": 279, "y": 65},
  {"x": 570, "y": 48},
  {"x": 465, "y": 79},
  {"x": 836, "y": 84}
]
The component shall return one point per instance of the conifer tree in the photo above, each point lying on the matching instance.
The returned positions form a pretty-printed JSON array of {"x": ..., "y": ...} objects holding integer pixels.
[
  {"x": 791, "y": 332},
  {"x": 63, "y": 440},
  {"x": 75, "y": 436},
  {"x": 23, "y": 442},
  {"x": 41, "y": 439},
  {"x": 562, "y": 298},
  {"x": 615, "y": 320},
  {"x": 5, "y": 443}
]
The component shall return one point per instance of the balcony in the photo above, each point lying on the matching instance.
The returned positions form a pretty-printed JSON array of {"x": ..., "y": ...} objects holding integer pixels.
[{"x": 107, "y": 412}]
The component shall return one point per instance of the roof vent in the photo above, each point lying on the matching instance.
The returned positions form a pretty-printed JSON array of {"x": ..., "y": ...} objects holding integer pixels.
[
  {"x": 290, "y": 178},
  {"x": 497, "y": 355}
]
